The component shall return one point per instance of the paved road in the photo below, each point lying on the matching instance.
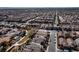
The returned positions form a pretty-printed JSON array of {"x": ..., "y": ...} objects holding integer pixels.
[
  {"x": 30, "y": 20},
  {"x": 52, "y": 46}
]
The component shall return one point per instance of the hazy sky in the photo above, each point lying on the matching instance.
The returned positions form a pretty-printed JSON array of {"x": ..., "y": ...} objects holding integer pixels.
[{"x": 39, "y": 3}]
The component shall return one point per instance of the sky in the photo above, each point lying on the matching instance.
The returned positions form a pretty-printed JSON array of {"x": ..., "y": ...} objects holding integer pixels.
[{"x": 39, "y": 3}]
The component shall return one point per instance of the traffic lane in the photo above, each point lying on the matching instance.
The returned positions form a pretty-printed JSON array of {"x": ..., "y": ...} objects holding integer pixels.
[{"x": 52, "y": 47}]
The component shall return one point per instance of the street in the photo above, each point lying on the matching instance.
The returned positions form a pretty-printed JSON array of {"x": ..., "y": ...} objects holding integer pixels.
[{"x": 52, "y": 43}]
